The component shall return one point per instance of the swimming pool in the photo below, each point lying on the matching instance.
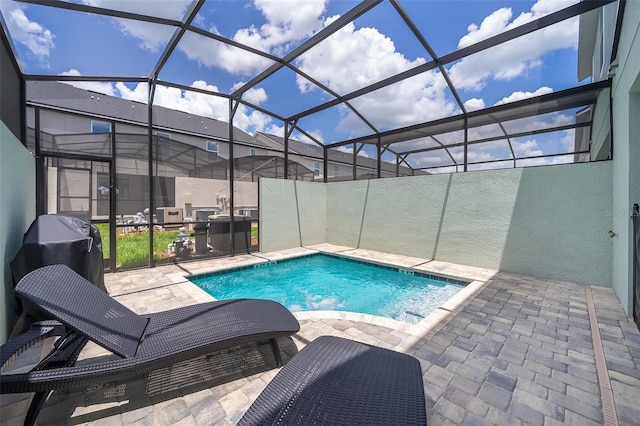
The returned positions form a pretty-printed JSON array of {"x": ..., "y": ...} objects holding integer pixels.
[{"x": 324, "y": 282}]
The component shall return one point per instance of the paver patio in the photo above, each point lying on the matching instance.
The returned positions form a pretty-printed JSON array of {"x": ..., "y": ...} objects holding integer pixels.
[{"x": 511, "y": 350}]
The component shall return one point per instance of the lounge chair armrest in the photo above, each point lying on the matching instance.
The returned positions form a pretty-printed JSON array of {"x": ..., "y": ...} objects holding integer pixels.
[{"x": 38, "y": 332}]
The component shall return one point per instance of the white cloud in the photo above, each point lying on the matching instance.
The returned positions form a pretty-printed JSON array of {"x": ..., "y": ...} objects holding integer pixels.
[
  {"x": 216, "y": 107},
  {"x": 474, "y": 104},
  {"x": 527, "y": 148},
  {"x": 173, "y": 98},
  {"x": 274, "y": 129},
  {"x": 349, "y": 150},
  {"x": 551, "y": 143},
  {"x": 286, "y": 24},
  {"x": 255, "y": 95},
  {"x": 173, "y": 9},
  {"x": 252, "y": 121},
  {"x": 213, "y": 54},
  {"x": 516, "y": 57},
  {"x": 94, "y": 86},
  {"x": 568, "y": 140},
  {"x": 354, "y": 58},
  {"x": 527, "y": 124},
  {"x": 519, "y": 95},
  {"x": 429, "y": 159},
  {"x": 152, "y": 37},
  {"x": 37, "y": 39},
  {"x": 351, "y": 59},
  {"x": 499, "y": 21},
  {"x": 140, "y": 93},
  {"x": 316, "y": 134},
  {"x": 491, "y": 25},
  {"x": 445, "y": 169},
  {"x": 288, "y": 21}
]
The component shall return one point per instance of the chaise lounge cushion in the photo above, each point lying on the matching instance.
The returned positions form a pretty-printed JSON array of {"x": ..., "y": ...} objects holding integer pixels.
[
  {"x": 336, "y": 381},
  {"x": 144, "y": 343},
  {"x": 66, "y": 296}
]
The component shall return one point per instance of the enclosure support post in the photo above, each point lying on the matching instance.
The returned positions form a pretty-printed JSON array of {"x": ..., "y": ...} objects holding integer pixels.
[
  {"x": 466, "y": 143},
  {"x": 233, "y": 107},
  {"x": 355, "y": 162},
  {"x": 41, "y": 194},
  {"x": 379, "y": 159},
  {"x": 286, "y": 150},
  {"x": 152, "y": 87},
  {"x": 325, "y": 162},
  {"x": 113, "y": 202}
]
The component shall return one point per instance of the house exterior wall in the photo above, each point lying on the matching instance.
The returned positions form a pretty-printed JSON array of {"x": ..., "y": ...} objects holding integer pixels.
[
  {"x": 601, "y": 130},
  {"x": 17, "y": 211},
  {"x": 213, "y": 194},
  {"x": 344, "y": 169},
  {"x": 600, "y": 38},
  {"x": 626, "y": 156},
  {"x": 549, "y": 222},
  {"x": 57, "y": 123}
]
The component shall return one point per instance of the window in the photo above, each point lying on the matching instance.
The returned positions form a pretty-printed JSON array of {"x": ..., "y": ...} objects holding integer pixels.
[
  {"x": 100, "y": 126},
  {"x": 316, "y": 169},
  {"x": 336, "y": 171},
  {"x": 211, "y": 146},
  {"x": 252, "y": 151}
]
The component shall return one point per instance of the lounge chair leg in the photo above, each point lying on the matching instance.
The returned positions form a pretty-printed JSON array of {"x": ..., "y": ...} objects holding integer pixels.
[
  {"x": 39, "y": 398},
  {"x": 276, "y": 352}
]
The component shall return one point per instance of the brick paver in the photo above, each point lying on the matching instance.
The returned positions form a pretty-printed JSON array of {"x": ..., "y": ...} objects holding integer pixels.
[{"x": 518, "y": 352}]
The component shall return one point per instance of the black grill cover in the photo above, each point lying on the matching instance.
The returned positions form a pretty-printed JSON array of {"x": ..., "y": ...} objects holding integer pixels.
[{"x": 69, "y": 240}]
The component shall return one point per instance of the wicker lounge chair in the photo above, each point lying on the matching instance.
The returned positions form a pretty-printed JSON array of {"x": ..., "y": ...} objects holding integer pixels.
[
  {"x": 335, "y": 381},
  {"x": 144, "y": 343}
]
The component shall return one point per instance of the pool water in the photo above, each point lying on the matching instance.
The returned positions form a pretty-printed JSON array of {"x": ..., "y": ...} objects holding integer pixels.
[{"x": 322, "y": 282}]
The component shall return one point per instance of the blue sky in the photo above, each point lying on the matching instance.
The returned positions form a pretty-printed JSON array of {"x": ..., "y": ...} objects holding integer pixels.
[{"x": 375, "y": 46}]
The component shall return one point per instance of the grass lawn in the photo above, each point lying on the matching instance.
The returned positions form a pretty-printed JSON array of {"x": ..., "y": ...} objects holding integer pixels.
[{"x": 133, "y": 248}]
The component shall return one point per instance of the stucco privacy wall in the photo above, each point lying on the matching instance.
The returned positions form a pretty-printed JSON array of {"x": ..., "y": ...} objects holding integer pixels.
[
  {"x": 284, "y": 205},
  {"x": 551, "y": 222},
  {"x": 17, "y": 211}
]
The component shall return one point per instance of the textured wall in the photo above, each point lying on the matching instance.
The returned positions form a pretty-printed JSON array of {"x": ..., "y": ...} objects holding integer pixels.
[
  {"x": 312, "y": 208},
  {"x": 283, "y": 205},
  {"x": 549, "y": 222},
  {"x": 279, "y": 228},
  {"x": 17, "y": 211},
  {"x": 345, "y": 208},
  {"x": 626, "y": 154},
  {"x": 560, "y": 224}
]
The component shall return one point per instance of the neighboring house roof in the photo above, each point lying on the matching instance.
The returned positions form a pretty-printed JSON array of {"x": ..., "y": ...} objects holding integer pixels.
[
  {"x": 316, "y": 152},
  {"x": 68, "y": 97}
]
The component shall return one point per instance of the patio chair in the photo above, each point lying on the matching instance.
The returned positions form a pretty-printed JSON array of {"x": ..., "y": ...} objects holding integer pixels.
[
  {"x": 336, "y": 381},
  {"x": 142, "y": 343}
]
